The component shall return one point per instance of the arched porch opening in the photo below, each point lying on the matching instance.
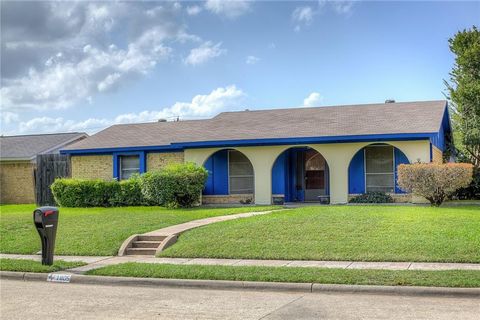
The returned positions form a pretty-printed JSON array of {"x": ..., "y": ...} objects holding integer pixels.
[
  {"x": 230, "y": 174},
  {"x": 374, "y": 168},
  {"x": 300, "y": 174}
]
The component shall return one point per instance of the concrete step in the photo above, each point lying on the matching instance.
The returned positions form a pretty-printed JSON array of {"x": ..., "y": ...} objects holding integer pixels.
[
  {"x": 150, "y": 238},
  {"x": 141, "y": 251},
  {"x": 146, "y": 244}
]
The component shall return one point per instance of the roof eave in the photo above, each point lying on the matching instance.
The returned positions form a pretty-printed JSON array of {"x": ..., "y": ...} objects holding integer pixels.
[{"x": 256, "y": 142}]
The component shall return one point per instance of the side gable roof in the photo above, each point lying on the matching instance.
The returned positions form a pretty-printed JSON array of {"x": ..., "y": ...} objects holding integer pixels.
[
  {"x": 319, "y": 122},
  {"x": 26, "y": 147}
]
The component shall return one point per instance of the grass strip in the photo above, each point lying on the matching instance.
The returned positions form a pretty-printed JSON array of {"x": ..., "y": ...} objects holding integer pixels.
[
  {"x": 97, "y": 231},
  {"x": 453, "y": 278},
  {"x": 22, "y": 265},
  {"x": 353, "y": 233}
]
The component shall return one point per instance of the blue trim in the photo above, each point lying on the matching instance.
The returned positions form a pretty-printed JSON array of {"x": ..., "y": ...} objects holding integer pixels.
[
  {"x": 116, "y": 162},
  {"x": 259, "y": 142},
  {"x": 279, "y": 175},
  {"x": 217, "y": 181},
  {"x": 356, "y": 173},
  {"x": 400, "y": 158},
  {"x": 438, "y": 140}
]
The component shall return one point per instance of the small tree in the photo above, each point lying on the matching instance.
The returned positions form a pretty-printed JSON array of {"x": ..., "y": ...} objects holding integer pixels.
[
  {"x": 464, "y": 94},
  {"x": 434, "y": 181}
]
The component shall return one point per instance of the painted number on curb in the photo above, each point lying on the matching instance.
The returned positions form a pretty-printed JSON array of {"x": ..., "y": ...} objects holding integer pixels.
[{"x": 57, "y": 277}]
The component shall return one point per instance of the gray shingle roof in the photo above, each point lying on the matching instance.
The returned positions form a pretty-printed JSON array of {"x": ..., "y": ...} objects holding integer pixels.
[
  {"x": 367, "y": 119},
  {"x": 26, "y": 147}
]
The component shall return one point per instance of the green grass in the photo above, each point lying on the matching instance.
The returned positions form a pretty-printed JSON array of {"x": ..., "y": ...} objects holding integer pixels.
[
  {"x": 456, "y": 278},
  {"x": 95, "y": 231},
  {"x": 35, "y": 266},
  {"x": 360, "y": 233}
]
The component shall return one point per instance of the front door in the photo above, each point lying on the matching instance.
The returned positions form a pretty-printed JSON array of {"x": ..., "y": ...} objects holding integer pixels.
[{"x": 314, "y": 175}]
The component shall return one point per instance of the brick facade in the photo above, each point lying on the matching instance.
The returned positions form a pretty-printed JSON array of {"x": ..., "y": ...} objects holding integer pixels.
[
  {"x": 437, "y": 155},
  {"x": 17, "y": 183},
  {"x": 226, "y": 199},
  {"x": 397, "y": 197},
  {"x": 156, "y": 161},
  {"x": 92, "y": 167}
]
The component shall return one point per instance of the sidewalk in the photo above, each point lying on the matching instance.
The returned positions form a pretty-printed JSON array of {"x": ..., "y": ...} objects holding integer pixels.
[{"x": 98, "y": 262}]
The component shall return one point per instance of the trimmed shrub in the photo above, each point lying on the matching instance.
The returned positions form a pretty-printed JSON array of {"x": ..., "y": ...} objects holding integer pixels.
[
  {"x": 84, "y": 193},
  {"x": 177, "y": 185},
  {"x": 129, "y": 193},
  {"x": 372, "y": 197},
  {"x": 435, "y": 182}
]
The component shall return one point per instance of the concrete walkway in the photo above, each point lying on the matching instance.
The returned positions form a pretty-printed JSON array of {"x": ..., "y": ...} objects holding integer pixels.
[
  {"x": 98, "y": 262},
  {"x": 180, "y": 228},
  {"x": 169, "y": 235}
]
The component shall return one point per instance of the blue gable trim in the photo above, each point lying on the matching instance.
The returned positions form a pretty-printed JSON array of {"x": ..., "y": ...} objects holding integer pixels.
[
  {"x": 116, "y": 162},
  {"x": 438, "y": 140},
  {"x": 259, "y": 142}
]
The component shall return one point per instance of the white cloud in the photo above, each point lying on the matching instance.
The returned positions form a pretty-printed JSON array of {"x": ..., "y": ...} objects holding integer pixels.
[
  {"x": 193, "y": 10},
  {"x": 313, "y": 100},
  {"x": 228, "y": 8},
  {"x": 8, "y": 117},
  {"x": 65, "y": 82},
  {"x": 204, "y": 52},
  {"x": 252, "y": 60},
  {"x": 343, "y": 7},
  {"x": 200, "y": 106},
  {"x": 303, "y": 16},
  {"x": 74, "y": 51}
]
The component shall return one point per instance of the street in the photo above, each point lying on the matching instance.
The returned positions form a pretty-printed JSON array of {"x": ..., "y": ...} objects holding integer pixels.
[{"x": 42, "y": 300}]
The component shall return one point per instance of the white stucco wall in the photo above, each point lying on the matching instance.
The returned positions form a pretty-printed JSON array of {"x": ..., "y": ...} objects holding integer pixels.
[{"x": 337, "y": 155}]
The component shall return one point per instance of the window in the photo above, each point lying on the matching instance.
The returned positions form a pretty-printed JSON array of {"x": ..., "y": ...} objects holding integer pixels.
[
  {"x": 379, "y": 169},
  {"x": 129, "y": 165},
  {"x": 240, "y": 173}
]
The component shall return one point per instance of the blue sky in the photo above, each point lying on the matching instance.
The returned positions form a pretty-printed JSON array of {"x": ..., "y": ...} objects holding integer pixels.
[{"x": 82, "y": 66}]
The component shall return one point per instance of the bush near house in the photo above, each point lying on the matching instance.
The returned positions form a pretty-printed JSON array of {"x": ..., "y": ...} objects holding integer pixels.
[
  {"x": 178, "y": 185},
  {"x": 128, "y": 193},
  {"x": 435, "y": 182},
  {"x": 84, "y": 193},
  {"x": 372, "y": 197},
  {"x": 472, "y": 191}
]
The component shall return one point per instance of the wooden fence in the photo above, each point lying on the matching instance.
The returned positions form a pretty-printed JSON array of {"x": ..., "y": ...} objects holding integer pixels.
[{"x": 48, "y": 168}]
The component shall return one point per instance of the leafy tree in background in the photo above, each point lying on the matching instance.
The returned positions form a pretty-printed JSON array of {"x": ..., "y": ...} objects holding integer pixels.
[{"x": 464, "y": 94}]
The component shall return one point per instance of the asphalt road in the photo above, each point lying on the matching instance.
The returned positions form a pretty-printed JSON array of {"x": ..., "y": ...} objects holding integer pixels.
[{"x": 42, "y": 300}]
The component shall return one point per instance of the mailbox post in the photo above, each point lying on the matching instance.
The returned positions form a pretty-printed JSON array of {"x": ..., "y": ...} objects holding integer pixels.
[{"x": 46, "y": 220}]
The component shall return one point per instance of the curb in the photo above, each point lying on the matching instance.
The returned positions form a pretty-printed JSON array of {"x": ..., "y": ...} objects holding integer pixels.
[{"x": 251, "y": 285}]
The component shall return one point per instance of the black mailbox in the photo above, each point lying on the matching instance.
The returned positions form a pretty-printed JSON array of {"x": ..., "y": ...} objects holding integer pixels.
[{"x": 46, "y": 220}]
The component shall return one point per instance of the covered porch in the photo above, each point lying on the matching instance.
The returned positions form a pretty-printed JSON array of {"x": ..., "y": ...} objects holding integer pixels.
[{"x": 305, "y": 172}]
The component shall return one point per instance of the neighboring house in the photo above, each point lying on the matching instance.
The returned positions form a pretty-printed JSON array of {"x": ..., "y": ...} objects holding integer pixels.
[
  {"x": 298, "y": 154},
  {"x": 17, "y": 162}
]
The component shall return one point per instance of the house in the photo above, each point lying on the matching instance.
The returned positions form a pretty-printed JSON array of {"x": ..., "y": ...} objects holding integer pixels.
[
  {"x": 300, "y": 154},
  {"x": 18, "y": 162}
]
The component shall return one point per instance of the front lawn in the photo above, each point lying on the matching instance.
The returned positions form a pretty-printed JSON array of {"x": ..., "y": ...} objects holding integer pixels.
[
  {"x": 361, "y": 233},
  {"x": 454, "y": 278},
  {"x": 95, "y": 231},
  {"x": 36, "y": 266}
]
